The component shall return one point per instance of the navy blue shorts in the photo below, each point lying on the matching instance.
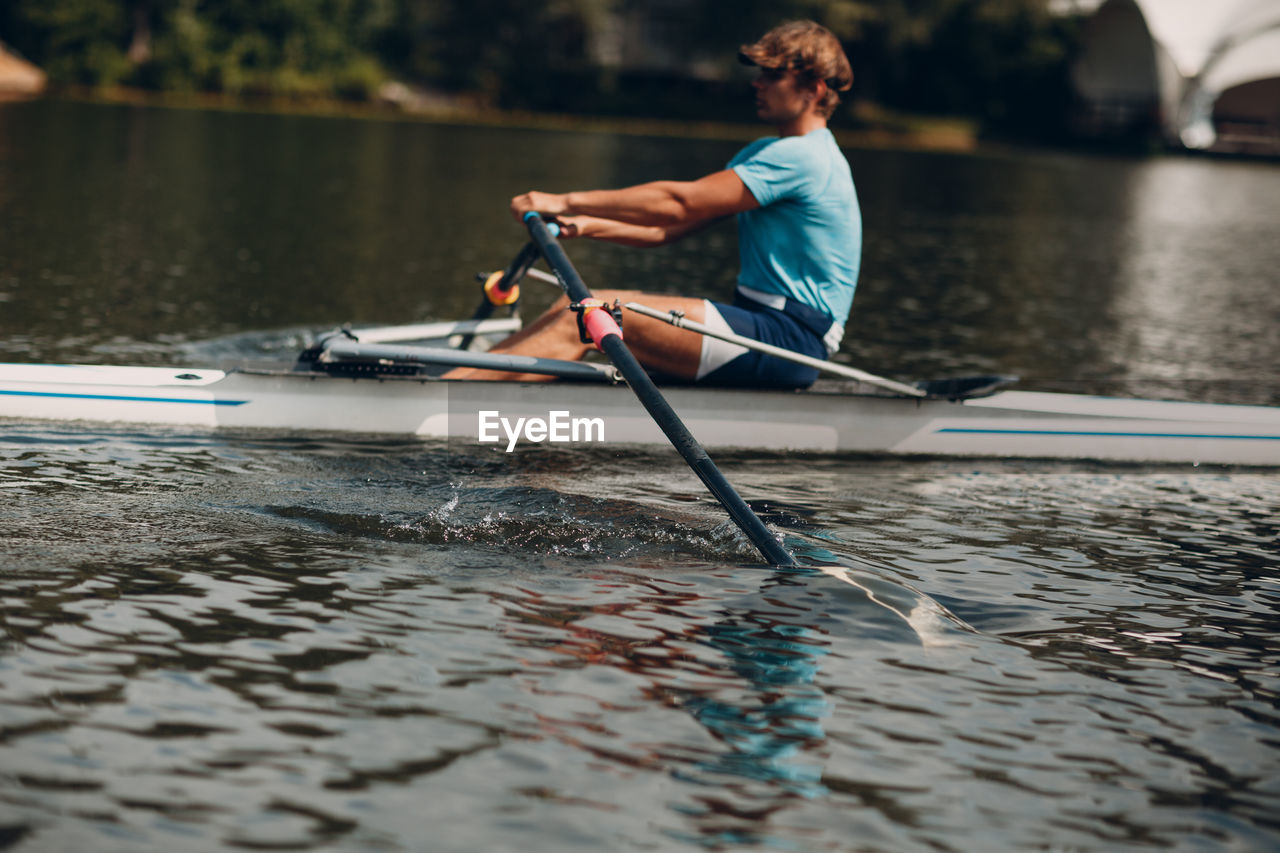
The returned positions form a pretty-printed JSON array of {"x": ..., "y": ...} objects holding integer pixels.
[{"x": 796, "y": 327}]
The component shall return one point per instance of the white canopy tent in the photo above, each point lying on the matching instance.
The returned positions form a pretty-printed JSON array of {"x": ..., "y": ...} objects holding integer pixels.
[{"x": 1169, "y": 62}]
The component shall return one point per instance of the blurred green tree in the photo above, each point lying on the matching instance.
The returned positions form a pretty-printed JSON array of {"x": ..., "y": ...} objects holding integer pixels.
[
  {"x": 1002, "y": 61},
  {"x": 284, "y": 47}
]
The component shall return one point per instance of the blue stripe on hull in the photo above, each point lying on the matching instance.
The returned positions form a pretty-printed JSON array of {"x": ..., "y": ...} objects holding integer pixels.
[
  {"x": 1083, "y": 433},
  {"x": 121, "y": 398}
]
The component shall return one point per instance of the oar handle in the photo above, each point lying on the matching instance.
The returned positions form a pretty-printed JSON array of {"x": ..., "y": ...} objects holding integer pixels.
[
  {"x": 656, "y": 405},
  {"x": 498, "y": 291},
  {"x": 503, "y": 288},
  {"x": 544, "y": 243}
]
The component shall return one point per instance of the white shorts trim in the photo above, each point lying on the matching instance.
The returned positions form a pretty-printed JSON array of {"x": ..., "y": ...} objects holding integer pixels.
[
  {"x": 775, "y": 301},
  {"x": 715, "y": 352},
  {"x": 831, "y": 340}
]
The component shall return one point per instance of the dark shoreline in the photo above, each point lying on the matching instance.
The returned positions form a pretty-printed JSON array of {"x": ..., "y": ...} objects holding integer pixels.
[{"x": 921, "y": 133}]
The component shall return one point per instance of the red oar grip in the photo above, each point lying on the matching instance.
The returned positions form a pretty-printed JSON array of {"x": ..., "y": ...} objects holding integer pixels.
[
  {"x": 596, "y": 321},
  {"x": 600, "y": 324}
]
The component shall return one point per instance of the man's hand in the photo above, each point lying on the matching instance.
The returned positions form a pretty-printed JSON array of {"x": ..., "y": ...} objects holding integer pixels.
[
  {"x": 548, "y": 204},
  {"x": 572, "y": 226}
]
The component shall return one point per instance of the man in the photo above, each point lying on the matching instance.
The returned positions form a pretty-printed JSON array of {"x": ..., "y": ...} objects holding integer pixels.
[{"x": 800, "y": 234}]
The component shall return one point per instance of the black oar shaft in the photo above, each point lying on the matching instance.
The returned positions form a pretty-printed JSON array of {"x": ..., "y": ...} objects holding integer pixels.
[
  {"x": 511, "y": 276},
  {"x": 518, "y": 267},
  {"x": 658, "y": 407}
]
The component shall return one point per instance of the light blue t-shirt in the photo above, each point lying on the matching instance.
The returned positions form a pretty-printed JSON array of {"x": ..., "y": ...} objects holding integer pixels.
[{"x": 805, "y": 239}]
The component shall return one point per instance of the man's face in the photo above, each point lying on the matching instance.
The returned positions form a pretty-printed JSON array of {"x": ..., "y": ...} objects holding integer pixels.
[{"x": 779, "y": 95}]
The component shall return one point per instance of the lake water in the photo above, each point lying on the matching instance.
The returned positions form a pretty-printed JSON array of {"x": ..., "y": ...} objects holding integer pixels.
[{"x": 306, "y": 642}]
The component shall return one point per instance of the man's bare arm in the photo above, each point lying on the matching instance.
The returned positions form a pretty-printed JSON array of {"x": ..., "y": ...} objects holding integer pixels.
[
  {"x": 626, "y": 234},
  {"x": 660, "y": 203}
]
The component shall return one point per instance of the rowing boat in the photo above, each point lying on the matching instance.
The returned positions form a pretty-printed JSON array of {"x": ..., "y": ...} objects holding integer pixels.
[{"x": 361, "y": 383}]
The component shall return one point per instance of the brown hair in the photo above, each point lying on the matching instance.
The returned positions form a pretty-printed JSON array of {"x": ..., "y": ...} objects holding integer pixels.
[{"x": 811, "y": 51}]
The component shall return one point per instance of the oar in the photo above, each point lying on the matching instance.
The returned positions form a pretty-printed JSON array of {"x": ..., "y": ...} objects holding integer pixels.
[
  {"x": 678, "y": 320},
  {"x": 503, "y": 288},
  {"x": 600, "y": 325}
]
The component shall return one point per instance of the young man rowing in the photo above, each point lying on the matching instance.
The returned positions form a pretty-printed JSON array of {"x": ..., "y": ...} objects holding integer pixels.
[{"x": 799, "y": 234}]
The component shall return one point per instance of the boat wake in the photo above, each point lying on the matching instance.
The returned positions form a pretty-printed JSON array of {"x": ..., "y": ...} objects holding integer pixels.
[{"x": 544, "y": 522}]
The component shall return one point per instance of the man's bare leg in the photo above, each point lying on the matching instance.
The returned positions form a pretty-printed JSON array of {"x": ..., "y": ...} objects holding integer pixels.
[{"x": 657, "y": 345}]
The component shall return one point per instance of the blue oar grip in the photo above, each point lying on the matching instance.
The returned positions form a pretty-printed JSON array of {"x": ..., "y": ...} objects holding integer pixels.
[{"x": 551, "y": 226}]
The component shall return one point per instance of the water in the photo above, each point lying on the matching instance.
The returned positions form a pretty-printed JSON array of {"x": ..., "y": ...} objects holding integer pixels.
[{"x": 274, "y": 641}]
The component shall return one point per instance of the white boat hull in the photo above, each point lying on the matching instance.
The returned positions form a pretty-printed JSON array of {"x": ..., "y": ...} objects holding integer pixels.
[{"x": 1006, "y": 424}]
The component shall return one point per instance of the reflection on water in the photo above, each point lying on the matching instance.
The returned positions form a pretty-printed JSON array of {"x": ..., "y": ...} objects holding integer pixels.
[
  {"x": 763, "y": 736},
  {"x": 281, "y": 642}
]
